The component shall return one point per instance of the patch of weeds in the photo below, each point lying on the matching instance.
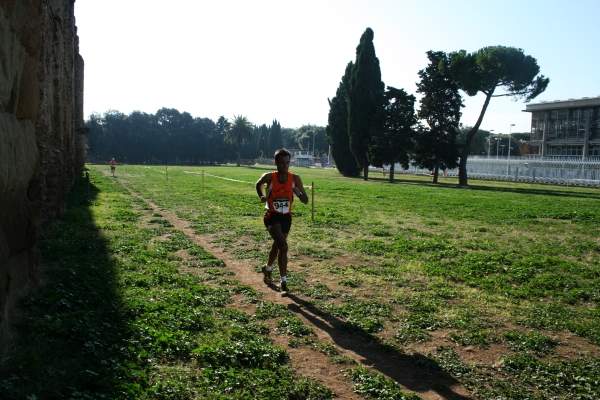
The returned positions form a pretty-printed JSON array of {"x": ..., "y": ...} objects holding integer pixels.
[
  {"x": 218, "y": 271},
  {"x": 342, "y": 360},
  {"x": 471, "y": 338},
  {"x": 373, "y": 385},
  {"x": 177, "y": 241},
  {"x": 239, "y": 354},
  {"x": 248, "y": 253},
  {"x": 362, "y": 316},
  {"x": 322, "y": 254},
  {"x": 335, "y": 270},
  {"x": 297, "y": 342},
  {"x": 535, "y": 342},
  {"x": 350, "y": 282},
  {"x": 319, "y": 291},
  {"x": 125, "y": 215},
  {"x": 268, "y": 309},
  {"x": 380, "y": 232},
  {"x": 579, "y": 379},
  {"x": 157, "y": 214},
  {"x": 328, "y": 349},
  {"x": 293, "y": 326},
  {"x": 479, "y": 244},
  {"x": 549, "y": 316},
  {"x": 252, "y": 295},
  {"x": 163, "y": 222},
  {"x": 160, "y": 231},
  {"x": 227, "y": 282},
  {"x": 369, "y": 247},
  {"x": 411, "y": 334}
]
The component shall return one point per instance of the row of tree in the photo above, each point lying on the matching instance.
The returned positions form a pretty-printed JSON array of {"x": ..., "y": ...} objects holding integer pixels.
[
  {"x": 173, "y": 137},
  {"x": 370, "y": 124}
]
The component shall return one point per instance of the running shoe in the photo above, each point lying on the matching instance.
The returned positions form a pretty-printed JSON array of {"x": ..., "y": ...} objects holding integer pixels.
[
  {"x": 267, "y": 275},
  {"x": 283, "y": 289}
]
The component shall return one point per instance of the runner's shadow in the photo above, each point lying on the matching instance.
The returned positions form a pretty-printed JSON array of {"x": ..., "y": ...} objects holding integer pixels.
[{"x": 405, "y": 369}]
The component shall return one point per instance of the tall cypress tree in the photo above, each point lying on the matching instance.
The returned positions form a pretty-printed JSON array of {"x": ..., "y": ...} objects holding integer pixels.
[
  {"x": 365, "y": 99},
  {"x": 337, "y": 129},
  {"x": 440, "y": 107},
  {"x": 275, "y": 138}
]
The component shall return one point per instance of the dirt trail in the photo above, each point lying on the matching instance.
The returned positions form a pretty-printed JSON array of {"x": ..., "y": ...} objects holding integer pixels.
[{"x": 311, "y": 363}]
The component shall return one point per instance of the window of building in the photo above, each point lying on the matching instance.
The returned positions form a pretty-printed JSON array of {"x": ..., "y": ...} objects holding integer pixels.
[
  {"x": 595, "y": 123},
  {"x": 565, "y": 151},
  {"x": 537, "y": 125},
  {"x": 594, "y": 151},
  {"x": 573, "y": 124}
]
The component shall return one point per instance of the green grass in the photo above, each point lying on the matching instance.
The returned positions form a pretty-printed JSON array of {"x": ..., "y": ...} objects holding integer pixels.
[
  {"x": 499, "y": 265},
  {"x": 117, "y": 320}
]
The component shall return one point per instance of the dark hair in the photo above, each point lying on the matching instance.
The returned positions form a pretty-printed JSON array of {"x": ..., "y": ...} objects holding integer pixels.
[{"x": 282, "y": 153}]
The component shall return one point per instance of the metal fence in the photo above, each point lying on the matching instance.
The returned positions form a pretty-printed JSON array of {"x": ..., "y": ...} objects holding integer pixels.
[{"x": 553, "y": 170}]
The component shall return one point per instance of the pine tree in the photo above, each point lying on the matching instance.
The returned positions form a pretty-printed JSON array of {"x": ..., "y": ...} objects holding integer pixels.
[
  {"x": 364, "y": 98},
  {"x": 435, "y": 146},
  {"x": 393, "y": 143}
]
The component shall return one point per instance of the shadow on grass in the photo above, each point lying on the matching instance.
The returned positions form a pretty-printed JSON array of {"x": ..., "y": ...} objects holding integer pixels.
[
  {"x": 395, "y": 364},
  {"x": 70, "y": 339},
  {"x": 452, "y": 183}
]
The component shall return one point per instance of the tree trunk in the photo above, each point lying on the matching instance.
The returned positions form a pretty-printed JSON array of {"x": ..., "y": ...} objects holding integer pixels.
[
  {"x": 436, "y": 171},
  {"x": 392, "y": 172},
  {"x": 239, "y": 151},
  {"x": 462, "y": 166},
  {"x": 366, "y": 171}
]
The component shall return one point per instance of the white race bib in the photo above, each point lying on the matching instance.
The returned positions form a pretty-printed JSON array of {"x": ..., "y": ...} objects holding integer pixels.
[{"x": 281, "y": 205}]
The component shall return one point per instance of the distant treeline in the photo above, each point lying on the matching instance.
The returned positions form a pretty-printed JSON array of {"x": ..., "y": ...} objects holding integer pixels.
[{"x": 173, "y": 137}]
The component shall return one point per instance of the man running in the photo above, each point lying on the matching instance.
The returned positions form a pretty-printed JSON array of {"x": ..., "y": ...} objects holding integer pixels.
[
  {"x": 281, "y": 187},
  {"x": 113, "y": 163}
]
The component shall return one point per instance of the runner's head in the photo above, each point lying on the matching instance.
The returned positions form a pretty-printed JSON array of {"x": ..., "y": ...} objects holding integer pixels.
[
  {"x": 281, "y": 153},
  {"x": 282, "y": 160}
]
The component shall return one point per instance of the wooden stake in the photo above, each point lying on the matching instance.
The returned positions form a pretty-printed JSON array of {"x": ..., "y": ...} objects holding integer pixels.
[{"x": 313, "y": 200}]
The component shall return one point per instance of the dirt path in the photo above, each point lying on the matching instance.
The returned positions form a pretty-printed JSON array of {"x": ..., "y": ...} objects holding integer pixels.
[{"x": 313, "y": 364}]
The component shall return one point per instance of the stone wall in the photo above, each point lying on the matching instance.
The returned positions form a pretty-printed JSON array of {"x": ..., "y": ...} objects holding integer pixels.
[{"x": 41, "y": 134}]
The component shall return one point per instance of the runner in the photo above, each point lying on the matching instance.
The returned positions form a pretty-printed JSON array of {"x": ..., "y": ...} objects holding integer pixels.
[
  {"x": 281, "y": 186},
  {"x": 113, "y": 163}
]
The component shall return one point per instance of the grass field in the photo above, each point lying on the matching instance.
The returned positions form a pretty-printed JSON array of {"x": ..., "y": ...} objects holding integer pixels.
[{"x": 495, "y": 286}]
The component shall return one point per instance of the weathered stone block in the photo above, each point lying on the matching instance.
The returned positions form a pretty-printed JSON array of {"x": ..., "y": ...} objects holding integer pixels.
[
  {"x": 20, "y": 229},
  {"x": 29, "y": 91},
  {"x": 18, "y": 152},
  {"x": 12, "y": 58}
]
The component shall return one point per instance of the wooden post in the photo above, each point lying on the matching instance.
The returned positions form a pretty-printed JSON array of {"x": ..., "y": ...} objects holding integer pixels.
[
  {"x": 313, "y": 200},
  {"x": 87, "y": 181}
]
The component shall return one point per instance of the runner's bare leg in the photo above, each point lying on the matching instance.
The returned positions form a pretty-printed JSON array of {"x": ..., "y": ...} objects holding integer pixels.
[{"x": 279, "y": 249}]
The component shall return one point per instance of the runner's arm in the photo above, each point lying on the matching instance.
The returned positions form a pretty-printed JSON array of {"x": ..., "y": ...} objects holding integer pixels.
[
  {"x": 299, "y": 189},
  {"x": 265, "y": 179}
]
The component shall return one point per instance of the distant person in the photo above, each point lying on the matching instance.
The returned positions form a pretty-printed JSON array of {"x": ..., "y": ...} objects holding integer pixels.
[
  {"x": 383, "y": 172},
  {"x": 281, "y": 187},
  {"x": 113, "y": 164}
]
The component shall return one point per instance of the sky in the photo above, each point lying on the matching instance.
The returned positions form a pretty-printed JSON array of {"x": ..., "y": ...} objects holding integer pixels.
[{"x": 282, "y": 60}]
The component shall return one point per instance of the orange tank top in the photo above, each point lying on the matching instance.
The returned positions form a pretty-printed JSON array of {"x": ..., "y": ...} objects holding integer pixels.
[{"x": 280, "y": 195}]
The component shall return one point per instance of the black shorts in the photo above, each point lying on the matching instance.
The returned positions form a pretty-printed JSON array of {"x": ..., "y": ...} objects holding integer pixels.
[{"x": 273, "y": 218}]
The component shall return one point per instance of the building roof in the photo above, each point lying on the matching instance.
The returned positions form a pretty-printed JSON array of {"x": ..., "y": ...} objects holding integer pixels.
[{"x": 569, "y": 103}]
